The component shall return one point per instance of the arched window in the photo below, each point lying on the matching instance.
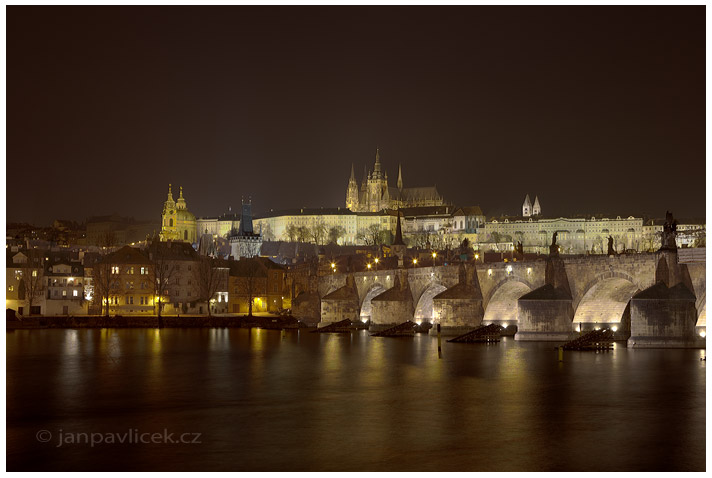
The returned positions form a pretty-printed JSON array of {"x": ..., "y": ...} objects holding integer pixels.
[{"x": 171, "y": 222}]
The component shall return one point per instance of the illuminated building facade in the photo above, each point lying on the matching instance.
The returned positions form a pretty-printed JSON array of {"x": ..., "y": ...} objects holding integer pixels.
[
  {"x": 177, "y": 223},
  {"x": 376, "y": 195}
]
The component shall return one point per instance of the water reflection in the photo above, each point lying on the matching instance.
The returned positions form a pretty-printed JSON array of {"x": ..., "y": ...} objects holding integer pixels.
[{"x": 351, "y": 402}]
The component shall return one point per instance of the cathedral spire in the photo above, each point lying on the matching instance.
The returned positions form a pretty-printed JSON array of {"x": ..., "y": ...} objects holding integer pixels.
[
  {"x": 400, "y": 178},
  {"x": 377, "y": 166},
  {"x": 170, "y": 193},
  {"x": 353, "y": 176},
  {"x": 398, "y": 241}
]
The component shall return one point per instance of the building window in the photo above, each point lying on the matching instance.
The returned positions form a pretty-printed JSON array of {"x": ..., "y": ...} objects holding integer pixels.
[
  {"x": 34, "y": 273},
  {"x": 131, "y": 270},
  {"x": 64, "y": 293},
  {"x": 75, "y": 293},
  {"x": 114, "y": 269}
]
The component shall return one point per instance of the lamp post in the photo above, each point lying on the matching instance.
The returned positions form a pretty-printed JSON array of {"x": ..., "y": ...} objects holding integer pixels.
[
  {"x": 435, "y": 254},
  {"x": 415, "y": 262},
  {"x": 376, "y": 261}
]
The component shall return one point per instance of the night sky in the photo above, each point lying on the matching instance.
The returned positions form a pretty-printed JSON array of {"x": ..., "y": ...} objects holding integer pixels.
[{"x": 593, "y": 109}]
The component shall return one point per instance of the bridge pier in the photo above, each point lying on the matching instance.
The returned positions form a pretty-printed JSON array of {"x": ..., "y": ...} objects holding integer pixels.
[
  {"x": 545, "y": 314},
  {"x": 458, "y": 309},
  {"x": 341, "y": 304},
  {"x": 392, "y": 307}
]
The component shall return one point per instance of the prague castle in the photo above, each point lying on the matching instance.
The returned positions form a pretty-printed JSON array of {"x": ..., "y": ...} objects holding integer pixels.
[
  {"x": 177, "y": 223},
  {"x": 376, "y": 195}
]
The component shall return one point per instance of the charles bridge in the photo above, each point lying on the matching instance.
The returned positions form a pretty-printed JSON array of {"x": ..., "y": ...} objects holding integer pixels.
[{"x": 652, "y": 299}]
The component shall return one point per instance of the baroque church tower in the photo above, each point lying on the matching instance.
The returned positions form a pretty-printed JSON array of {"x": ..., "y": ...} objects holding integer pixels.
[{"x": 177, "y": 223}]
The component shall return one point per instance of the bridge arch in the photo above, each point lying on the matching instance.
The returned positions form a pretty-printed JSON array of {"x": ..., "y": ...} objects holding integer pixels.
[
  {"x": 612, "y": 274},
  {"x": 510, "y": 278},
  {"x": 366, "y": 307},
  {"x": 606, "y": 301},
  {"x": 502, "y": 306},
  {"x": 701, "y": 306},
  {"x": 424, "y": 307}
]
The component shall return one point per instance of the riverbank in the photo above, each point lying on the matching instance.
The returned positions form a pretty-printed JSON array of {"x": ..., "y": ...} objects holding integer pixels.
[{"x": 263, "y": 322}]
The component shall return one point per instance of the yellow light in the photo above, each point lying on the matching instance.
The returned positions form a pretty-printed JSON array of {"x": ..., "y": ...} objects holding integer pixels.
[
  {"x": 333, "y": 265},
  {"x": 702, "y": 334},
  {"x": 614, "y": 328},
  {"x": 435, "y": 254},
  {"x": 477, "y": 256},
  {"x": 415, "y": 261},
  {"x": 376, "y": 260},
  {"x": 368, "y": 265}
]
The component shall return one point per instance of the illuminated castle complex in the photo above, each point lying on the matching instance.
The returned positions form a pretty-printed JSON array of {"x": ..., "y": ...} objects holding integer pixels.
[{"x": 375, "y": 194}]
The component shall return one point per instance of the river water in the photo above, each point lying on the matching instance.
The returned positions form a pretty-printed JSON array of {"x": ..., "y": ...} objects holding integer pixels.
[{"x": 252, "y": 400}]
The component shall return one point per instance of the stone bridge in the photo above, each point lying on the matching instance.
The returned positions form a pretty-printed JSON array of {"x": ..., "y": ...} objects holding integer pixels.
[{"x": 578, "y": 292}]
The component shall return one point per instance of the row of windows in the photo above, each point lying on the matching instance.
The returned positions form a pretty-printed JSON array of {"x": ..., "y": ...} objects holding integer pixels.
[
  {"x": 129, "y": 270},
  {"x": 55, "y": 293},
  {"x": 129, "y": 300}
]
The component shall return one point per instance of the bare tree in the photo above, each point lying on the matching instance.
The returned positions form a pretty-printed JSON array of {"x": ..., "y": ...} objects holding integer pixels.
[
  {"x": 318, "y": 232},
  {"x": 267, "y": 233},
  {"x": 371, "y": 236},
  {"x": 32, "y": 282},
  {"x": 104, "y": 284},
  {"x": 248, "y": 280},
  {"x": 335, "y": 233},
  {"x": 303, "y": 234},
  {"x": 210, "y": 277},
  {"x": 163, "y": 271},
  {"x": 291, "y": 232}
]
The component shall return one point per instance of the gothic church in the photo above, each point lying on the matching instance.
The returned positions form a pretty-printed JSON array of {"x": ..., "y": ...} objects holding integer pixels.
[{"x": 375, "y": 194}]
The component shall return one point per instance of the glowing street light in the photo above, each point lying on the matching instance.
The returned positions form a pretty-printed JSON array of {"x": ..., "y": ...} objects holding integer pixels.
[
  {"x": 415, "y": 262},
  {"x": 369, "y": 266}
]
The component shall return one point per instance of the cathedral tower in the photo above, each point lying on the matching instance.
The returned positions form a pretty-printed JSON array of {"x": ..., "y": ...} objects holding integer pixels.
[
  {"x": 536, "y": 209},
  {"x": 527, "y": 207},
  {"x": 352, "y": 192}
]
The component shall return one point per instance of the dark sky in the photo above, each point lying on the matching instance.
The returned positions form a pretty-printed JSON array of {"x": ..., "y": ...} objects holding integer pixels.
[{"x": 593, "y": 109}]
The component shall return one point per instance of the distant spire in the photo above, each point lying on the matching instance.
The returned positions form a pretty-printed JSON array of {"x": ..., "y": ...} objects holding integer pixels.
[
  {"x": 377, "y": 166},
  {"x": 400, "y": 178},
  {"x": 181, "y": 193},
  {"x": 398, "y": 241},
  {"x": 353, "y": 176}
]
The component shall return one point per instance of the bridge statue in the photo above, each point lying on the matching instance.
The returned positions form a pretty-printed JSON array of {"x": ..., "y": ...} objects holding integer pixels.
[
  {"x": 611, "y": 249},
  {"x": 554, "y": 247},
  {"x": 669, "y": 232}
]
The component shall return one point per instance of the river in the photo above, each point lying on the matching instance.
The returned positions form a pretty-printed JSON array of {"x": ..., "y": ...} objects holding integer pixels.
[{"x": 253, "y": 400}]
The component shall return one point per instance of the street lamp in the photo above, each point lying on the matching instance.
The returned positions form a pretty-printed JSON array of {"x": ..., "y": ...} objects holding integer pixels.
[
  {"x": 415, "y": 262},
  {"x": 376, "y": 261},
  {"x": 369, "y": 266},
  {"x": 435, "y": 254}
]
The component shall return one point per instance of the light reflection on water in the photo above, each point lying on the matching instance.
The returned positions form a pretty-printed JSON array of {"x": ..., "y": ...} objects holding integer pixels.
[{"x": 349, "y": 402}]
